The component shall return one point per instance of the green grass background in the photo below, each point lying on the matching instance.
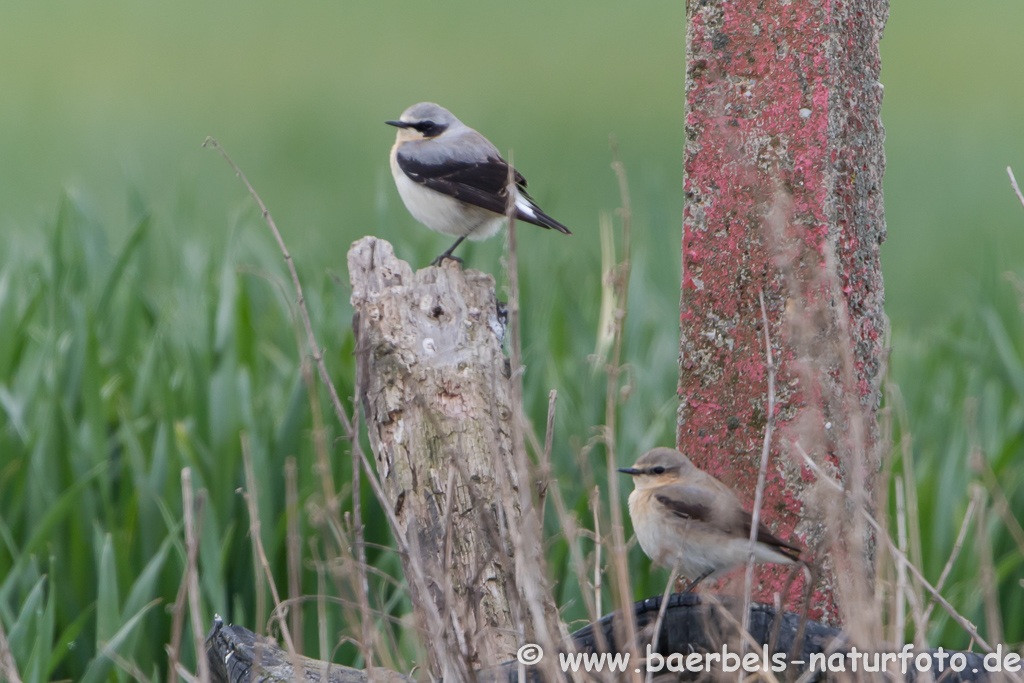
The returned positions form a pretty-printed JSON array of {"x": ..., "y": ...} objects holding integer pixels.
[{"x": 144, "y": 324}]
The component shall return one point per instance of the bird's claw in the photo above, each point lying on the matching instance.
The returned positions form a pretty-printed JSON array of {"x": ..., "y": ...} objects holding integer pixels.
[{"x": 440, "y": 259}]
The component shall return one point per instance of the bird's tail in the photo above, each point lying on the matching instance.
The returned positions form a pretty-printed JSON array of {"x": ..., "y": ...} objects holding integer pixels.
[{"x": 527, "y": 211}]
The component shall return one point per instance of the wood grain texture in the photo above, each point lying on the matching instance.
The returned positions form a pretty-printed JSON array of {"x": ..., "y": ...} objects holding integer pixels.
[{"x": 436, "y": 397}]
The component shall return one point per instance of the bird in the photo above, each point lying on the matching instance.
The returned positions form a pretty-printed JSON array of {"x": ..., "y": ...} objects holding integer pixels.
[
  {"x": 689, "y": 521},
  {"x": 454, "y": 181}
]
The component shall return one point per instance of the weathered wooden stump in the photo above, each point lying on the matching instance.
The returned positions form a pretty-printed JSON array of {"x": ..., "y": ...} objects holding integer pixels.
[{"x": 434, "y": 385}]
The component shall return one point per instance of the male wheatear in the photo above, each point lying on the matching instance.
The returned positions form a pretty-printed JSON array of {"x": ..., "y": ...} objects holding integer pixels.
[
  {"x": 686, "y": 518},
  {"x": 454, "y": 181}
]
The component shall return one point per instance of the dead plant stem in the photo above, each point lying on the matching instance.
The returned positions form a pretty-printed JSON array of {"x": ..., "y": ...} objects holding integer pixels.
[
  {"x": 620, "y": 275},
  {"x": 762, "y": 473},
  {"x": 192, "y": 574},
  {"x": 434, "y": 619}
]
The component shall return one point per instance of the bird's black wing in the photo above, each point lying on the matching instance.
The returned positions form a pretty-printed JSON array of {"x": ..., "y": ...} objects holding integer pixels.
[{"x": 480, "y": 183}]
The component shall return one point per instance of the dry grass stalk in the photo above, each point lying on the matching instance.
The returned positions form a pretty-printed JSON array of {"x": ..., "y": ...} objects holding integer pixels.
[
  {"x": 572, "y": 532},
  {"x": 527, "y": 538},
  {"x": 595, "y": 506},
  {"x": 8, "y": 667},
  {"x": 1002, "y": 505},
  {"x": 901, "y": 568},
  {"x": 762, "y": 473},
  {"x": 910, "y": 483},
  {"x": 192, "y": 575},
  {"x": 260, "y": 557},
  {"x": 1013, "y": 184},
  {"x": 127, "y": 665},
  {"x": 182, "y": 672},
  {"x": 348, "y": 578},
  {"x": 321, "y": 602},
  {"x": 191, "y": 561},
  {"x": 369, "y": 633},
  {"x": 990, "y": 597},
  {"x": 544, "y": 474},
  {"x": 656, "y": 631},
  {"x": 618, "y": 276},
  {"x": 293, "y": 544},
  {"x": 976, "y": 500},
  {"x": 745, "y": 637}
]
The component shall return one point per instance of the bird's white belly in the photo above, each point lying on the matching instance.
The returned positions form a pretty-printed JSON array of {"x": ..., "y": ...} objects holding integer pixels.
[
  {"x": 445, "y": 214},
  {"x": 667, "y": 548}
]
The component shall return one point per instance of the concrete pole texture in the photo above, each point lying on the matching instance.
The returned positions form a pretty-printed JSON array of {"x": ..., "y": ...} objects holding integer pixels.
[{"x": 783, "y": 173}]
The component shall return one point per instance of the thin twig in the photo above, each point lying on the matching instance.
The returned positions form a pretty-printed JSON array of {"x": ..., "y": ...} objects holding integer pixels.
[
  {"x": 595, "y": 506},
  {"x": 527, "y": 536},
  {"x": 183, "y": 673},
  {"x": 545, "y": 462},
  {"x": 572, "y": 533},
  {"x": 1013, "y": 184},
  {"x": 129, "y": 666},
  {"x": 178, "y": 611},
  {"x": 192, "y": 572},
  {"x": 661, "y": 614},
  {"x": 293, "y": 545},
  {"x": 612, "y": 397},
  {"x": 976, "y": 500},
  {"x": 762, "y": 474},
  {"x": 363, "y": 590},
  {"x": 321, "y": 602},
  {"x": 1002, "y": 505},
  {"x": 310, "y": 337},
  {"x": 901, "y": 568},
  {"x": 260, "y": 556},
  {"x": 745, "y": 636},
  {"x": 988, "y": 581},
  {"x": 913, "y": 516},
  {"x": 335, "y": 600}
]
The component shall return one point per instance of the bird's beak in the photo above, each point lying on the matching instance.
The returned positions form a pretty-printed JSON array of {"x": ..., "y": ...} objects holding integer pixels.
[
  {"x": 631, "y": 471},
  {"x": 398, "y": 124}
]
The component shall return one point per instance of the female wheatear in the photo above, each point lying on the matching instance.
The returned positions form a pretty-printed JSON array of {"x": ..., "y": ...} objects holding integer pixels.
[
  {"x": 454, "y": 181},
  {"x": 686, "y": 518}
]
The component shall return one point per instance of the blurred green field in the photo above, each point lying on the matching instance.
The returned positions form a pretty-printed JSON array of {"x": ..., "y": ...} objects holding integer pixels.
[{"x": 145, "y": 315}]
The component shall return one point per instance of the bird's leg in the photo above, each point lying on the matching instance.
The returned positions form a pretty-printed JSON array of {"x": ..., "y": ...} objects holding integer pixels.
[
  {"x": 448, "y": 254},
  {"x": 693, "y": 584}
]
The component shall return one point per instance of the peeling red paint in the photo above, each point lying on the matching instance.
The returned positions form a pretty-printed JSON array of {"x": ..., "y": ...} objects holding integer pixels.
[{"x": 774, "y": 102}]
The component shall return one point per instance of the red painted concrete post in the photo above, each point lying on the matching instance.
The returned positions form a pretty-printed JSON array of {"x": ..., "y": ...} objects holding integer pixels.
[{"x": 782, "y": 100}]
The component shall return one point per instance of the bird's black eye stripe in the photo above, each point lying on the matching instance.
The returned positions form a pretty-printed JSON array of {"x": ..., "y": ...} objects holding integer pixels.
[
  {"x": 657, "y": 470},
  {"x": 429, "y": 128}
]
